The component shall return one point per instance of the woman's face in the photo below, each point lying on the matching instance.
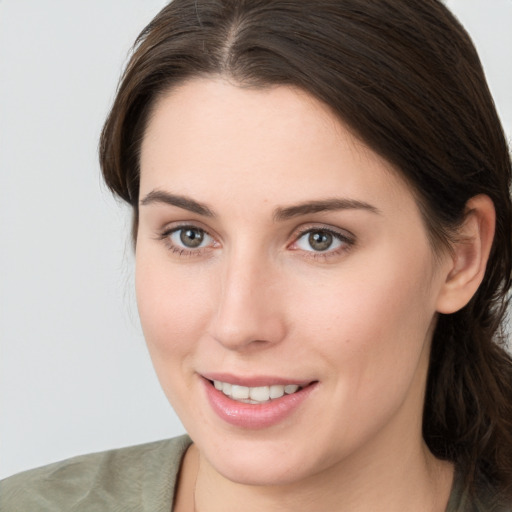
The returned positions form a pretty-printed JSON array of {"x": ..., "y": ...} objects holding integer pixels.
[{"x": 274, "y": 249}]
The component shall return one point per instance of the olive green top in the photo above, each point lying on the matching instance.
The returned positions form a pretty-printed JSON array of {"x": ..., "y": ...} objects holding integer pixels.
[{"x": 135, "y": 479}]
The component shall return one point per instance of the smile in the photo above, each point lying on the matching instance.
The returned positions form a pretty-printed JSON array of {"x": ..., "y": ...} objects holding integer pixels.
[
  {"x": 255, "y": 395},
  {"x": 257, "y": 406}
]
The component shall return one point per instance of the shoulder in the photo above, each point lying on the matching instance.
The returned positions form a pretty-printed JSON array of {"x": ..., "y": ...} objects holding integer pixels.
[{"x": 137, "y": 478}]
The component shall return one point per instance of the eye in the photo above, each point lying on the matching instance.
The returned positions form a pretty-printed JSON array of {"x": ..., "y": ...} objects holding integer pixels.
[
  {"x": 321, "y": 241},
  {"x": 189, "y": 237},
  {"x": 187, "y": 240}
]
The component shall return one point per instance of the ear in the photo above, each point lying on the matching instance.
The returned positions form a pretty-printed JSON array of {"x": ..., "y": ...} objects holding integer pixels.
[{"x": 468, "y": 260}]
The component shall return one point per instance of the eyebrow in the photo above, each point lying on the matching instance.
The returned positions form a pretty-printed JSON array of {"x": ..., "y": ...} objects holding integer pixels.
[
  {"x": 309, "y": 207},
  {"x": 280, "y": 214},
  {"x": 159, "y": 196}
]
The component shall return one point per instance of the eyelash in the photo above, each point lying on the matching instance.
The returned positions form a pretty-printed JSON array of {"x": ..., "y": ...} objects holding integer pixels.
[
  {"x": 346, "y": 240},
  {"x": 183, "y": 252}
]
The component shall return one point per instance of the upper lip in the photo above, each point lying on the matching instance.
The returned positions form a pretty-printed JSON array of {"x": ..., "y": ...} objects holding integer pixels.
[{"x": 255, "y": 380}]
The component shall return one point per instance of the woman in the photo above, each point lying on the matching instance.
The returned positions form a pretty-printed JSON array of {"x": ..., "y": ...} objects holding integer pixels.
[{"x": 322, "y": 227}]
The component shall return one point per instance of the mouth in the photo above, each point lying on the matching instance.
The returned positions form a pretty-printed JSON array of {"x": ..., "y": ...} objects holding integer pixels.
[
  {"x": 264, "y": 404},
  {"x": 255, "y": 395}
]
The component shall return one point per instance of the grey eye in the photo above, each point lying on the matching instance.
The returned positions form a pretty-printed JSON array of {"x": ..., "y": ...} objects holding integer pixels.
[
  {"x": 319, "y": 240},
  {"x": 190, "y": 237}
]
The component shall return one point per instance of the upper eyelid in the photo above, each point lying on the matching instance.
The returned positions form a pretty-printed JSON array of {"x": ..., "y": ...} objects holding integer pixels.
[
  {"x": 302, "y": 230},
  {"x": 176, "y": 226}
]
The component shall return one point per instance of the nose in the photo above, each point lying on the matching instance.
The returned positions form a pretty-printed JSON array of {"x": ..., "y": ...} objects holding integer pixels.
[{"x": 249, "y": 313}]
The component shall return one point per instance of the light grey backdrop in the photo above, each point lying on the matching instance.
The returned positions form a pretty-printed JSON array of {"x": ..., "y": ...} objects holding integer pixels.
[{"x": 74, "y": 373}]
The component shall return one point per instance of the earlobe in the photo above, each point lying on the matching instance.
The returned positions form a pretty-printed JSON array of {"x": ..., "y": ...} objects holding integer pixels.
[{"x": 470, "y": 255}]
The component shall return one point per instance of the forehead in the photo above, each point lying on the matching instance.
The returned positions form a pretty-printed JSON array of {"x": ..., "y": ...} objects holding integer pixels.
[
  {"x": 213, "y": 113},
  {"x": 278, "y": 142}
]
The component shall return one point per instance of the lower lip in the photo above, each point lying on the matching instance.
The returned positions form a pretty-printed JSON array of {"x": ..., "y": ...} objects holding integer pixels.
[{"x": 255, "y": 416}]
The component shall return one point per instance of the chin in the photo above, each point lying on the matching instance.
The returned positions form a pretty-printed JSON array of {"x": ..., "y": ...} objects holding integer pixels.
[
  {"x": 247, "y": 472},
  {"x": 261, "y": 462}
]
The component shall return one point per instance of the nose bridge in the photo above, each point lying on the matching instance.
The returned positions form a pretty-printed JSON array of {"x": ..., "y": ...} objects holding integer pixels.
[{"x": 248, "y": 312}]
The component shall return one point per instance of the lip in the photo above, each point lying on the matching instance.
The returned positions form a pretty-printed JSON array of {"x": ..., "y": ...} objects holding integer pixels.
[
  {"x": 255, "y": 381},
  {"x": 255, "y": 416}
]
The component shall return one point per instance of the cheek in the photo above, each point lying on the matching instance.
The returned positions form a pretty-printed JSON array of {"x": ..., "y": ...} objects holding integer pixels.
[
  {"x": 374, "y": 335},
  {"x": 370, "y": 320},
  {"x": 173, "y": 307}
]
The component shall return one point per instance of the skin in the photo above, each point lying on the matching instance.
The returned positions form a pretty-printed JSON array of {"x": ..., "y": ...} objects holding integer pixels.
[{"x": 257, "y": 299}]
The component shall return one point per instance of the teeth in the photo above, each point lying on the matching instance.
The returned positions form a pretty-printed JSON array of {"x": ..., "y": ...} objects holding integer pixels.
[
  {"x": 261, "y": 394},
  {"x": 239, "y": 392},
  {"x": 276, "y": 391},
  {"x": 256, "y": 395}
]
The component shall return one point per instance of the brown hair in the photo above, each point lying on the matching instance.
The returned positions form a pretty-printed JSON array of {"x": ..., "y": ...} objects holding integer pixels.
[{"x": 405, "y": 77}]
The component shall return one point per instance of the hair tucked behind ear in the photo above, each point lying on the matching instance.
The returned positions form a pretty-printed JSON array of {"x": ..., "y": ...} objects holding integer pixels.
[{"x": 405, "y": 77}]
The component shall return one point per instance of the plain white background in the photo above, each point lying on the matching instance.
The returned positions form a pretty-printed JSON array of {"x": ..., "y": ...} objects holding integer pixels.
[{"x": 74, "y": 373}]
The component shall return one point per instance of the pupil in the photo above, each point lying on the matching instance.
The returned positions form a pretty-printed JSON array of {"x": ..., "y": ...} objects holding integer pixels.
[
  {"x": 320, "y": 240},
  {"x": 191, "y": 237}
]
